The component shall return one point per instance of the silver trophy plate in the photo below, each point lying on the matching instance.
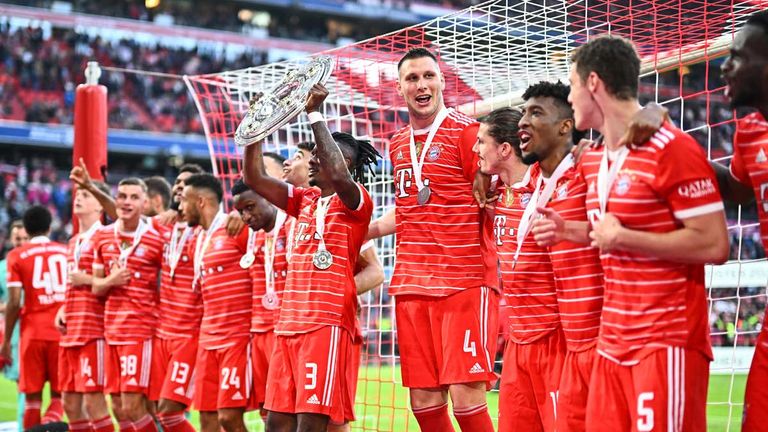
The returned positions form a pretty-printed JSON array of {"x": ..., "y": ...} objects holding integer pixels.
[{"x": 283, "y": 102}]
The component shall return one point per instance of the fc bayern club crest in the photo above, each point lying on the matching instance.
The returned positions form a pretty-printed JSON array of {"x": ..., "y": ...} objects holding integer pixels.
[
  {"x": 524, "y": 200},
  {"x": 622, "y": 184},
  {"x": 562, "y": 192},
  {"x": 433, "y": 153}
]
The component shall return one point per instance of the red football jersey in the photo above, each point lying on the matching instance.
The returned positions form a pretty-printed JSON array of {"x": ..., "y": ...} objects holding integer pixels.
[
  {"x": 226, "y": 289},
  {"x": 315, "y": 298},
  {"x": 578, "y": 273},
  {"x": 130, "y": 312},
  {"x": 180, "y": 308},
  {"x": 651, "y": 303},
  {"x": 39, "y": 268},
  {"x": 447, "y": 245},
  {"x": 529, "y": 288},
  {"x": 84, "y": 311},
  {"x": 271, "y": 245},
  {"x": 750, "y": 164}
]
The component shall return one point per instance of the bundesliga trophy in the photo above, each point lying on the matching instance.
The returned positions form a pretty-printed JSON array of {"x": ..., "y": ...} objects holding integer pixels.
[{"x": 283, "y": 102}]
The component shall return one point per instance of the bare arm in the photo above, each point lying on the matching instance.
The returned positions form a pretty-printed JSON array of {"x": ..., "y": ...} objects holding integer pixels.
[
  {"x": 329, "y": 154},
  {"x": 256, "y": 177},
  {"x": 702, "y": 239},
  {"x": 80, "y": 176},
  {"x": 372, "y": 273},
  {"x": 383, "y": 226},
  {"x": 12, "y": 308},
  {"x": 101, "y": 284},
  {"x": 730, "y": 188}
]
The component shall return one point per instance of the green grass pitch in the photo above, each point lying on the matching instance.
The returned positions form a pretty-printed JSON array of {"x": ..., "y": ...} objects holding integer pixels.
[{"x": 382, "y": 405}]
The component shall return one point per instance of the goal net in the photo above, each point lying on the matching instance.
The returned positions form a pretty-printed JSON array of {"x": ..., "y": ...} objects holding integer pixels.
[{"x": 489, "y": 54}]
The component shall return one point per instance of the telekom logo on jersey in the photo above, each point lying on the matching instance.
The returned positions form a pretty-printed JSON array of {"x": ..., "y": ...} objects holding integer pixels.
[
  {"x": 404, "y": 182},
  {"x": 500, "y": 229}
]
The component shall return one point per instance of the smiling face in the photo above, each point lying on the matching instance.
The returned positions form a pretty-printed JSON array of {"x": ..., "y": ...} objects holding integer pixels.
[
  {"x": 542, "y": 129},
  {"x": 585, "y": 111},
  {"x": 489, "y": 151},
  {"x": 85, "y": 203},
  {"x": 130, "y": 202},
  {"x": 745, "y": 71},
  {"x": 296, "y": 169},
  {"x": 421, "y": 84}
]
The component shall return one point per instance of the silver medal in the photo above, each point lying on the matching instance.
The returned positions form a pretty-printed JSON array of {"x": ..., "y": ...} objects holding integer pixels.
[
  {"x": 322, "y": 259},
  {"x": 423, "y": 196},
  {"x": 269, "y": 301},
  {"x": 246, "y": 260}
]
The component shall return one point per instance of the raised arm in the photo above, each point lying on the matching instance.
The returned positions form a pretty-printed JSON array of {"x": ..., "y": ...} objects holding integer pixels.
[
  {"x": 256, "y": 177},
  {"x": 328, "y": 152},
  {"x": 383, "y": 226},
  {"x": 80, "y": 176}
]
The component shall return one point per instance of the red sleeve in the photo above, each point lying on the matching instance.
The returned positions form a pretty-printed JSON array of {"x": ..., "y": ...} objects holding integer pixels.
[
  {"x": 738, "y": 168},
  {"x": 295, "y": 198},
  {"x": 241, "y": 239},
  {"x": 468, "y": 157},
  {"x": 98, "y": 258},
  {"x": 365, "y": 208},
  {"x": 14, "y": 270},
  {"x": 685, "y": 179}
]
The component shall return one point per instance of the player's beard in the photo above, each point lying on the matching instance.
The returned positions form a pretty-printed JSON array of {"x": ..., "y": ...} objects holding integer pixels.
[
  {"x": 531, "y": 158},
  {"x": 175, "y": 205}
]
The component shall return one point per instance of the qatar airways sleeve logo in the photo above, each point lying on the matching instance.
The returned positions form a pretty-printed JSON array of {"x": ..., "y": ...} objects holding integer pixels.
[{"x": 697, "y": 189}]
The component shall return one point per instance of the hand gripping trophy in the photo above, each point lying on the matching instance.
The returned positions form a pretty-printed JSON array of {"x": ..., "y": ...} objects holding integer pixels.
[{"x": 283, "y": 102}]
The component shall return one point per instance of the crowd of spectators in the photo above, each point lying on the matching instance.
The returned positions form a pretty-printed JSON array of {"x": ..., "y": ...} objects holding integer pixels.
[{"x": 38, "y": 76}]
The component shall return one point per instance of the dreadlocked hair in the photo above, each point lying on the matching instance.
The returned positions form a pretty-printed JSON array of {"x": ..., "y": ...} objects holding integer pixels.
[{"x": 362, "y": 153}]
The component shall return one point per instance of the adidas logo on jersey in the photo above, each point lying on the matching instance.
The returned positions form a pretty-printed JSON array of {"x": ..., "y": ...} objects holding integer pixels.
[
  {"x": 237, "y": 396},
  {"x": 761, "y": 156},
  {"x": 399, "y": 155},
  {"x": 476, "y": 369},
  {"x": 132, "y": 381},
  {"x": 90, "y": 383},
  {"x": 313, "y": 400},
  {"x": 179, "y": 391}
]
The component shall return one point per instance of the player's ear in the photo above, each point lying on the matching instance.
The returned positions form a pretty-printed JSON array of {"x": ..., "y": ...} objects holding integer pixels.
[
  {"x": 442, "y": 82},
  {"x": 592, "y": 81},
  {"x": 398, "y": 87},
  {"x": 566, "y": 126}
]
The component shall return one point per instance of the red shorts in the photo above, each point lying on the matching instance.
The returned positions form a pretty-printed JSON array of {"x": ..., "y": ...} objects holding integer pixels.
[
  {"x": 129, "y": 367},
  {"x": 447, "y": 340},
  {"x": 38, "y": 363},
  {"x": 173, "y": 369},
  {"x": 756, "y": 396},
  {"x": 223, "y": 377},
  {"x": 574, "y": 389},
  {"x": 81, "y": 368},
  {"x": 666, "y": 390},
  {"x": 530, "y": 379},
  {"x": 262, "y": 345},
  {"x": 314, "y": 373}
]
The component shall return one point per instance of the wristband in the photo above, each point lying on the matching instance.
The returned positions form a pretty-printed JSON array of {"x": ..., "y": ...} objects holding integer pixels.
[{"x": 315, "y": 117}]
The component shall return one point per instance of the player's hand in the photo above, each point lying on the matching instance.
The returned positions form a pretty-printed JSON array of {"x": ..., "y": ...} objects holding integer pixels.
[
  {"x": 606, "y": 232},
  {"x": 119, "y": 276},
  {"x": 549, "y": 229},
  {"x": 644, "y": 124},
  {"x": 234, "y": 224},
  {"x": 481, "y": 190},
  {"x": 5, "y": 355},
  {"x": 78, "y": 278},
  {"x": 317, "y": 95},
  {"x": 578, "y": 150},
  {"x": 167, "y": 217},
  {"x": 60, "y": 322},
  {"x": 79, "y": 175}
]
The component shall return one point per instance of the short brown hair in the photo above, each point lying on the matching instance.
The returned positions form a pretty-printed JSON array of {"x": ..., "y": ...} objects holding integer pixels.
[
  {"x": 615, "y": 60},
  {"x": 503, "y": 126},
  {"x": 133, "y": 181}
]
